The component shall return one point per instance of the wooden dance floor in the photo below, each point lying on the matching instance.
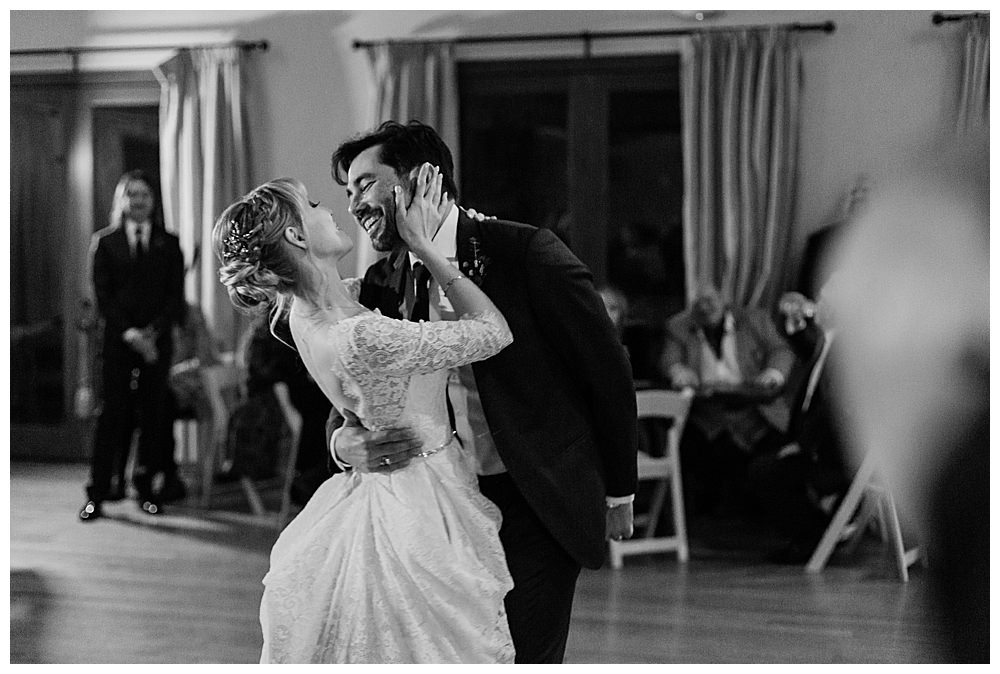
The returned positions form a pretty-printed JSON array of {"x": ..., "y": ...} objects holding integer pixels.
[{"x": 185, "y": 588}]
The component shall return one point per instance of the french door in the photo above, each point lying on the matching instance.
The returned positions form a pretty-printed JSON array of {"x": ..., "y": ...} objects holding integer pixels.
[{"x": 590, "y": 148}]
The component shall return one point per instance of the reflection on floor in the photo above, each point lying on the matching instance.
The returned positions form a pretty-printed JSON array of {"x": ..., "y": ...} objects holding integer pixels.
[{"x": 185, "y": 588}]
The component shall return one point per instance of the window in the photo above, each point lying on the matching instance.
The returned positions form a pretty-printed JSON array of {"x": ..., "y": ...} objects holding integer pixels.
[{"x": 591, "y": 149}]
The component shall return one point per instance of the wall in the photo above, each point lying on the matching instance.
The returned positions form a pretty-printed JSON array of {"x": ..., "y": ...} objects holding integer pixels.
[{"x": 874, "y": 90}]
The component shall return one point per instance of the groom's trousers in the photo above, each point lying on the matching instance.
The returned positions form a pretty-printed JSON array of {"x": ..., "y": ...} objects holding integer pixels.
[{"x": 539, "y": 606}]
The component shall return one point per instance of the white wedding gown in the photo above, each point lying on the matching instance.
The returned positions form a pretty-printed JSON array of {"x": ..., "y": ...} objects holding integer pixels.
[{"x": 401, "y": 567}]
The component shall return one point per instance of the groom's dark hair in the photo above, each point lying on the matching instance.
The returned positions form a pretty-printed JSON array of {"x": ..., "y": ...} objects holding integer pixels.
[{"x": 404, "y": 147}]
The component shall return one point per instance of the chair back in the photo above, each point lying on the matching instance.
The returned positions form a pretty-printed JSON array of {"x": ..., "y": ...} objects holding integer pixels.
[
  {"x": 665, "y": 404},
  {"x": 665, "y": 471},
  {"x": 224, "y": 387}
]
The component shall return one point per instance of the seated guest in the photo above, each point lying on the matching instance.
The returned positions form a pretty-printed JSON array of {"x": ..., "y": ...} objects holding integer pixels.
[
  {"x": 798, "y": 484},
  {"x": 194, "y": 349},
  {"x": 271, "y": 360},
  {"x": 797, "y": 324},
  {"x": 715, "y": 345}
]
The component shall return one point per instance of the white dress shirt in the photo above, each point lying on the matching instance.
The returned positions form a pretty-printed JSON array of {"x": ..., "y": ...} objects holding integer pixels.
[
  {"x": 470, "y": 420},
  {"x": 136, "y": 232}
]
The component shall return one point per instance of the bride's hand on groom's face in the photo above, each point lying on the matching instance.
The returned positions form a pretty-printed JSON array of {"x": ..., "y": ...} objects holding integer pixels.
[
  {"x": 377, "y": 451},
  {"x": 418, "y": 221}
]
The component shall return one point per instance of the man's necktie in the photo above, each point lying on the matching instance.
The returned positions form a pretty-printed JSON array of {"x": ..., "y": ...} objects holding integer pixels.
[{"x": 422, "y": 303}]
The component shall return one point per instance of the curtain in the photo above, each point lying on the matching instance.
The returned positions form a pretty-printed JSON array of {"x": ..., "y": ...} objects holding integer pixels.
[
  {"x": 204, "y": 166},
  {"x": 413, "y": 81},
  {"x": 974, "y": 101},
  {"x": 740, "y": 102}
]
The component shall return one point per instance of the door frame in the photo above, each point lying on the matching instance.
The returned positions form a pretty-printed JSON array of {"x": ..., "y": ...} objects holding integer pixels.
[{"x": 80, "y": 93}]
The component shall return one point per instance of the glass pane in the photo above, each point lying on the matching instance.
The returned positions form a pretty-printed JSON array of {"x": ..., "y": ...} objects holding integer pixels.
[
  {"x": 514, "y": 157},
  {"x": 645, "y": 240}
]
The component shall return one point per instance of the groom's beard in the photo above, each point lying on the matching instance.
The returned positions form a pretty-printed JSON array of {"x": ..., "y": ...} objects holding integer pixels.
[{"x": 383, "y": 234}]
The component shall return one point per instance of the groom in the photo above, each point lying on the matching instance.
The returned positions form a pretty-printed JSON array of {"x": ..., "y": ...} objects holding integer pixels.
[{"x": 551, "y": 420}]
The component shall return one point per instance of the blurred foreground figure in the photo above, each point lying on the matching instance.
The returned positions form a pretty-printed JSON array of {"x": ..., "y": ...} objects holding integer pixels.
[{"x": 915, "y": 331}]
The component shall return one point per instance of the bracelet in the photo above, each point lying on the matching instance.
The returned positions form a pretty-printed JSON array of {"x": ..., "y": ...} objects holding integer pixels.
[{"x": 447, "y": 286}]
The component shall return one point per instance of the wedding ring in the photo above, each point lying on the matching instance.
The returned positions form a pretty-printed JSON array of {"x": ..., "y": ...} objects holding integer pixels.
[{"x": 385, "y": 461}]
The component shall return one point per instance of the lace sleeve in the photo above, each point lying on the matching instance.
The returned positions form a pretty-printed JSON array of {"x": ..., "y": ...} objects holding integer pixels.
[{"x": 398, "y": 348}]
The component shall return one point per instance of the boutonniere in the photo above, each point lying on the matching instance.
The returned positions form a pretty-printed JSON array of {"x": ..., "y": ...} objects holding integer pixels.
[{"x": 476, "y": 268}]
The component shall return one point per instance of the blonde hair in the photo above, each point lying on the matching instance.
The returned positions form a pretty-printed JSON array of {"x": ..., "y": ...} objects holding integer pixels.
[{"x": 257, "y": 269}]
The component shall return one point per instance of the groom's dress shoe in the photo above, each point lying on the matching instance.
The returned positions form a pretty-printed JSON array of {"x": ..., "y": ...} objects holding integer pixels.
[{"x": 91, "y": 511}]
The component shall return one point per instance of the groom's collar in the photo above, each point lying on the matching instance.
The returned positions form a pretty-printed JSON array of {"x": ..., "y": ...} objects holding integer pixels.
[{"x": 400, "y": 260}]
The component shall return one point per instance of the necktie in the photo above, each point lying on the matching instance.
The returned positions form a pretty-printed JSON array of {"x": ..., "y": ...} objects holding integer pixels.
[
  {"x": 422, "y": 304},
  {"x": 138, "y": 243}
]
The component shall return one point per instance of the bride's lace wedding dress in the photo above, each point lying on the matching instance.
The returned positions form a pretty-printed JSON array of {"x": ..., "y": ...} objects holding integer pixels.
[{"x": 400, "y": 567}]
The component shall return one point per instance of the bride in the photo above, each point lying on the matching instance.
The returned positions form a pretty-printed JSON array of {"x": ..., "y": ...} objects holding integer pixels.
[{"x": 379, "y": 567}]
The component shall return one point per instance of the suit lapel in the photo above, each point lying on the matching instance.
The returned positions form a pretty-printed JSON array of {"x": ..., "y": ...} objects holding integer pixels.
[{"x": 383, "y": 287}]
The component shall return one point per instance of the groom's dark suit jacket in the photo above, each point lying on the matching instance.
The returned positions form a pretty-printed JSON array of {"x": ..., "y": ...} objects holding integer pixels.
[{"x": 560, "y": 400}]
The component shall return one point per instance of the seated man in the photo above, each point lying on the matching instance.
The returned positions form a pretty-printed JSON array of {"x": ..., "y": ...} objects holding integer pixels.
[{"x": 715, "y": 346}]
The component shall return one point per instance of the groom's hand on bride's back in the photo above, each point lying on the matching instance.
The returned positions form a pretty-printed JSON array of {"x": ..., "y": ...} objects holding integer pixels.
[{"x": 376, "y": 451}]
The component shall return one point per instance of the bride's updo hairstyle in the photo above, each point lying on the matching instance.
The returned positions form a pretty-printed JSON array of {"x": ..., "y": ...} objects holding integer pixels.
[{"x": 257, "y": 265}]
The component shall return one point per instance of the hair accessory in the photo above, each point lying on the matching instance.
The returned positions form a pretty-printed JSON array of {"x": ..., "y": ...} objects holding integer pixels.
[{"x": 242, "y": 244}]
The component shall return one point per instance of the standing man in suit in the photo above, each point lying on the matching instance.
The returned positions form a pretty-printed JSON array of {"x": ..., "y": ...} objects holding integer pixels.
[
  {"x": 550, "y": 421},
  {"x": 138, "y": 273}
]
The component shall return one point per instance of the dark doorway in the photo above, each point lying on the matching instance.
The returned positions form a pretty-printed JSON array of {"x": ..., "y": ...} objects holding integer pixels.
[{"x": 590, "y": 148}]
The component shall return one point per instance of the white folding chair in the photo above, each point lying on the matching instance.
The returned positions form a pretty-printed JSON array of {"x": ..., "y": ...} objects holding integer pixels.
[
  {"x": 870, "y": 499},
  {"x": 225, "y": 388},
  {"x": 666, "y": 472}
]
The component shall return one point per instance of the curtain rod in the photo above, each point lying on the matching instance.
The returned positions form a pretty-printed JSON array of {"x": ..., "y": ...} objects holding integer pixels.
[
  {"x": 940, "y": 17},
  {"x": 73, "y": 52},
  {"x": 587, "y": 37}
]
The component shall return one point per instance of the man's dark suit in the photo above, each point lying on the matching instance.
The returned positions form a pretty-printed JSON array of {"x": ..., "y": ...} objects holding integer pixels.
[
  {"x": 134, "y": 293},
  {"x": 560, "y": 404}
]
